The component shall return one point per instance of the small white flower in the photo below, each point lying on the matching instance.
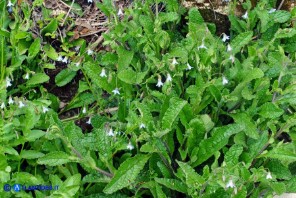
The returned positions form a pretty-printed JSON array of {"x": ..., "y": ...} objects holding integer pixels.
[
  {"x": 116, "y": 91},
  {"x": 103, "y": 73},
  {"x": 110, "y": 132},
  {"x": 77, "y": 48},
  {"x": 9, "y": 4},
  {"x": 89, "y": 1},
  {"x": 27, "y": 76},
  {"x": 202, "y": 46},
  {"x": 21, "y": 104},
  {"x": 268, "y": 176},
  {"x": 224, "y": 80},
  {"x": 130, "y": 146},
  {"x": 8, "y": 169},
  {"x": 84, "y": 110},
  {"x": 142, "y": 126},
  {"x": 169, "y": 78},
  {"x": 230, "y": 184},
  {"x": 119, "y": 13},
  {"x": 77, "y": 64},
  {"x": 10, "y": 100},
  {"x": 89, "y": 121},
  {"x": 229, "y": 48},
  {"x": 159, "y": 83},
  {"x": 231, "y": 58},
  {"x": 60, "y": 58},
  {"x": 65, "y": 60},
  {"x": 2, "y": 105},
  {"x": 225, "y": 37},
  {"x": 44, "y": 109},
  {"x": 8, "y": 82},
  {"x": 174, "y": 62},
  {"x": 90, "y": 52},
  {"x": 271, "y": 11},
  {"x": 245, "y": 16},
  {"x": 188, "y": 67}
]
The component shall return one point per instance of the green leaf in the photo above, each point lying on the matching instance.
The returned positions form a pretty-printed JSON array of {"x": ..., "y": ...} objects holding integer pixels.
[
  {"x": 283, "y": 152},
  {"x": 176, "y": 105},
  {"x": 195, "y": 16},
  {"x": 126, "y": 173},
  {"x": 64, "y": 77},
  {"x": 50, "y": 52},
  {"x": 51, "y": 27},
  {"x": 240, "y": 41},
  {"x": 54, "y": 158},
  {"x": 131, "y": 77},
  {"x": 34, "y": 48},
  {"x": 285, "y": 33},
  {"x": 30, "y": 154},
  {"x": 70, "y": 187},
  {"x": 93, "y": 72},
  {"x": 278, "y": 187},
  {"x": 281, "y": 16},
  {"x": 270, "y": 110},
  {"x": 245, "y": 120},
  {"x": 124, "y": 58},
  {"x": 172, "y": 184},
  {"x": 232, "y": 155},
  {"x": 193, "y": 180},
  {"x": 168, "y": 16},
  {"x": 210, "y": 146},
  {"x": 38, "y": 78}
]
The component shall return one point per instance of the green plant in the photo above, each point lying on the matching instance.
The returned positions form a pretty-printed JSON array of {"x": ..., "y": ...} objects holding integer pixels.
[{"x": 175, "y": 110}]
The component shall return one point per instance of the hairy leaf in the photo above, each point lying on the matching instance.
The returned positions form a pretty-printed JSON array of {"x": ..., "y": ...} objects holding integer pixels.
[{"x": 126, "y": 173}]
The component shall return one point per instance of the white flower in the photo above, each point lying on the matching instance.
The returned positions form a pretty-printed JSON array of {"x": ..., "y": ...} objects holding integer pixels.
[
  {"x": 202, "y": 46},
  {"x": 77, "y": 64},
  {"x": 130, "y": 146},
  {"x": 271, "y": 11},
  {"x": 9, "y": 4},
  {"x": 142, "y": 126},
  {"x": 27, "y": 76},
  {"x": 188, "y": 67},
  {"x": 268, "y": 176},
  {"x": 116, "y": 91},
  {"x": 21, "y": 104},
  {"x": 44, "y": 109},
  {"x": 110, "y": 132},
  {"x": 174, "y": 62},
  {"x": 84, "y": 110},
  {"x": 229, "y": 48},
  {"x": 8, "y": 169},
  {"x": 8, "y": 82},
  {"x": 169, "y": 78},
  {"x": 225, "y": 37},
  {"x": 89, "y": 1},
  {"x": 245, "y": 16},
  {"x": 2, "y": 105},
  {"x": 77, "y": 48},
  {"x": 231, "y": 58},
  {"x": 159, "y": 83},
  {"x": 89, "y": 121},
  {"x": 60, "y": 58},
  {"x": 224, "y": 80},
  {"x": 90, "y": 52},
  {"x": 103, "y": 73},
  {"x": 230, "y": 184},
  {"x": 65, "y": 60},
  {"x": 10, "y": 101},
  {"x": 119, "y": 13}
]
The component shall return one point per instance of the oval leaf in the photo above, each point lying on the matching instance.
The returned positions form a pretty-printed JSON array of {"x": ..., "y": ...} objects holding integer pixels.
[
  {"x": 64, "y": 77},
  {"x": 126, "y": 173}
]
